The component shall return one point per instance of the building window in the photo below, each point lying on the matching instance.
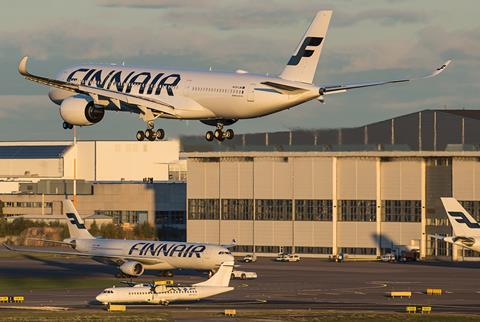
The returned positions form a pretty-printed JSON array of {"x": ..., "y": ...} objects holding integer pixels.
[
  {"x": 125, "y": 216},
  {"x": 170, "y": 217},
  {"x": 237, "y": 209},
  {"x": 313, "y": 210},
  {"x": 273, "y": 249},
  {"x": 358, "y": 250},
  {"x": 273, "y": 209},
  {"x": 242, "y": 248},
  {"x": 203, "y": 209},
  {"x": 473, "y": 207},
  {"x": 313, "y": 250},
  {"x": 357, "y": 210},
  {"x": 402, "y": 210}
]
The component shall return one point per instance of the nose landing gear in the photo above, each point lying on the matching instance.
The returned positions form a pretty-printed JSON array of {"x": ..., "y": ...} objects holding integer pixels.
[{"x": 67, "y": 126}]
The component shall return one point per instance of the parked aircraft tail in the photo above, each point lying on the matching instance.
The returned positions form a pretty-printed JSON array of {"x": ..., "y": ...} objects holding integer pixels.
[
  {"x": 302, "y": 65},
  {"x": 221, "y": 278},
  {"x": 462, "y": 222},
  {"x": 75, "y": 224}
]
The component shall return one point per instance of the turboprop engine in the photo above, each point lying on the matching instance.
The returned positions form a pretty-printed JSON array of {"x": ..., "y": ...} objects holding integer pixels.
[
  {"x": 80, "y": 110},
  {"x": 132, "y": 268}
]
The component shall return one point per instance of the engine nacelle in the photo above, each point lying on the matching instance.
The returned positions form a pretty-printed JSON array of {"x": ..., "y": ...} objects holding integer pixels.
[
  {"x": 132, "y": 268},
  {"x": 80, "y": 110}
]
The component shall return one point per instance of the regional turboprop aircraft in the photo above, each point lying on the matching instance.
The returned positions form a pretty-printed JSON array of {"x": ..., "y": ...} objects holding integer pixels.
[
  {"x": 164, "y": 294},
  {"x": 134, "y": 256},
  {"x": 218, "y": 99},
  {"x": 466, "y": 230}
]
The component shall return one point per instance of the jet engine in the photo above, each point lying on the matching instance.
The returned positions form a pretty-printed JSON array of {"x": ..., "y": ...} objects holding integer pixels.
[
  {"x": 132, "y": 268},
  {"x": 80, "y": 110}
]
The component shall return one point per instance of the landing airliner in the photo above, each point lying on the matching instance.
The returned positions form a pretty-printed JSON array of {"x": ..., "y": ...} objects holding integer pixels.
[
  {"x": 466, "y": 230},
  {"x": 164, "y": 294},
  {"x": 218, "y": 99},
  {"x": 134, "y": 256}
]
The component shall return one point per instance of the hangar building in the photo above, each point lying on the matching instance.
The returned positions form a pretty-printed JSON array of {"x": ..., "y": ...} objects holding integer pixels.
[{"x": 318, "y": 196}]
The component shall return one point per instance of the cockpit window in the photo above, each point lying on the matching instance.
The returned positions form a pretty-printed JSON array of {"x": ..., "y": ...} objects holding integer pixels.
[{"x": 224, "y": 253}]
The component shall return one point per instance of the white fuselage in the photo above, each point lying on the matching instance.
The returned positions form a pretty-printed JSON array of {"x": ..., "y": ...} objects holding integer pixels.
[
  {"x": 160, "y": 294},
  {"x": 194, "y": 94},
  {"x": 157, "y": 255}
]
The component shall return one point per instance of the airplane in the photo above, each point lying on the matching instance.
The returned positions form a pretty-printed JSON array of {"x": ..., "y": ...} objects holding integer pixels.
[
  {"x": 164, "y": 294},
  {"x": 133, "y": 257},
  {"x": 466, "y": 230},
  {"x": 214, "y": 98}
]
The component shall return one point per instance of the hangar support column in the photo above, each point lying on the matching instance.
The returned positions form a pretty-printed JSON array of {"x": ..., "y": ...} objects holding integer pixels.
[
  {"x": 334, "y": 206},
  {"x": 378, "y": 213},
  {"x": 423, "y": 183}
]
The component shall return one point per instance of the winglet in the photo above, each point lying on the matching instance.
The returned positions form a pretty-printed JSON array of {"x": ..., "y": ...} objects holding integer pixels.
[
  {"x": 22, "y": 66},
  {"x": 439, "y": 69}
]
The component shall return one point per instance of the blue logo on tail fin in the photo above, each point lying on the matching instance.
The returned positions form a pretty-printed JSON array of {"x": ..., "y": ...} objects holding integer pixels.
[
  {"x": 73, "y": 219},
  {"x": 462, "y": 219},
  {"x": 303, "y": 51}
]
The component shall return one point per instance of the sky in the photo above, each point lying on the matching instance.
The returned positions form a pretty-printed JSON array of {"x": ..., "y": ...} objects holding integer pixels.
[{"x": 367, "y": 40}]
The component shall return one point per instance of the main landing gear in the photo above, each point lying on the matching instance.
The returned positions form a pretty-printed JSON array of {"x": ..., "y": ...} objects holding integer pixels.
[
  {"x": 219, "y": 134},
  {"x": 150, "y": 134}
]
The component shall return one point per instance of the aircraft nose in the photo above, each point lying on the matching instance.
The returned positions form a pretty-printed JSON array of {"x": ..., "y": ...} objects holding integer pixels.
[{"x": 100, "y": 298}]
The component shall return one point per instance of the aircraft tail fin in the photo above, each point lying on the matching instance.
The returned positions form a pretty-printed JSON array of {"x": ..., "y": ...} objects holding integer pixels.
[
  {"x": 462, "y": 222},
  {"x": 302, "y": 65},
  {"x": 75, "y": 224},
  {"x": 221, "y": 278}
]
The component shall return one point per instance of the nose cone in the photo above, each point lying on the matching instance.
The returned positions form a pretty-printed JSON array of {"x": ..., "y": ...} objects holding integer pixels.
[
  {"x": 228, "y": 258},
  {"x": 101, "y": 298}
]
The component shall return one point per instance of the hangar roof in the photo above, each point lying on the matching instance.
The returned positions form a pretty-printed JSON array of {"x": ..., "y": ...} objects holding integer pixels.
[{"x": 32, "y": 151}]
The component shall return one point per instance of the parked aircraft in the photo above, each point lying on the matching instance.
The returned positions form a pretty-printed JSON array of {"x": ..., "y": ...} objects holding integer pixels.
[
  {"x": 218, "y": 99},
  {"x": 164, "y": 294},
  {"x": 134, "y": 256},
  {"x": 466, "y": 230}
]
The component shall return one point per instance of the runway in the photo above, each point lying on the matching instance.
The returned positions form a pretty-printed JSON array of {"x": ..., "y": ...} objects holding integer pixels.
[{"x": 309, "y": 284}]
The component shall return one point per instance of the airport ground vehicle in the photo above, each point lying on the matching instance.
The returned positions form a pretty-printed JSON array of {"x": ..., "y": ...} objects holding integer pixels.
[
  {"x": 388, "y": 257},
  {"x": 250, "y": 258},
  {"x": 244, "y": 275},
  {"x": 164, "y": 293},
  {"x": 217, "y": 99},
  {"x": 287, "y": 258}
]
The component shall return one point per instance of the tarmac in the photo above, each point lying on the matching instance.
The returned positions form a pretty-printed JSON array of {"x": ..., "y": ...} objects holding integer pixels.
[{"x": 309, "y": 284}]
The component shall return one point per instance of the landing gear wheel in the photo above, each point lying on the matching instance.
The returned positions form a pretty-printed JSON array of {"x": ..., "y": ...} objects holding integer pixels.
[
  {"x": 67, "y": 126},
  {"x": 218, "y": 134},
  {"x": 229, "y": 134},
  {"x": 150, "y": 135},
  {"x": 160, "y": 134},
  {"x": 140, "y": 136},
  {"x": 209, "y": 136}
]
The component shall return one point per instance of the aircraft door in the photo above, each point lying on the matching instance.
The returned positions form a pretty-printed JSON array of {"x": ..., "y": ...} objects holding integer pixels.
[
  {"x": 187, "y": 88},
  {"x": 251, "y": 92}
]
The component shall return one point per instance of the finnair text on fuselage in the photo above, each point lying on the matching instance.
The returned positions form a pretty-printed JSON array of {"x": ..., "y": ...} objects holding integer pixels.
[
  {"x": 117, "y": 79},
  {"x": 165, "y": 249}
]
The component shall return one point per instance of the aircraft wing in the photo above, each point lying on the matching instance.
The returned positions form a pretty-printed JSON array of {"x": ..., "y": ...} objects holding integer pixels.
[
  {"x": 335, "y": 89},
  {"x": 143, "y": 260},
  {"x": 142, "y": 103}
]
